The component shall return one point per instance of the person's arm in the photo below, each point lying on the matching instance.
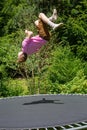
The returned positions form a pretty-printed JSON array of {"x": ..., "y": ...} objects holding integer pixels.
[{"x": 29, "y": 34}]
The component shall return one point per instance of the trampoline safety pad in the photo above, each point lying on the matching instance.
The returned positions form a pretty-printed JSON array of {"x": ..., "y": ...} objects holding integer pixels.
[{"x": 41, "y": 111}]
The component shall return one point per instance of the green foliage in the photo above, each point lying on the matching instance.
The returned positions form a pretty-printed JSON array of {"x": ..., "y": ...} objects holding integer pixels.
[
  {"x": 17, "y": 87},
  {"x": 61, "y": 65},
  {"x": 18, "y": 14},
  {"x": 64, "y": 65},
  {"x": 66, "y": 72},
  {"x": 77, "y": 85},
  {"x": 12, "y": 87}
]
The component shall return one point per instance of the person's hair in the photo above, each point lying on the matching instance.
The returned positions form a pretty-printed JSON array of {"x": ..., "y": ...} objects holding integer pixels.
[{"x": 22, "y": 58}]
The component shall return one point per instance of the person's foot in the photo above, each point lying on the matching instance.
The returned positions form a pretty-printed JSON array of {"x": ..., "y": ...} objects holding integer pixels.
[
  {"x": 54, "y": 14},
  {"x": 57, "y": 26}
]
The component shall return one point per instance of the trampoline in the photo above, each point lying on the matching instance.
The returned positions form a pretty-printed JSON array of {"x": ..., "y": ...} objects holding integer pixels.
[{"x": 45, "y": 112}]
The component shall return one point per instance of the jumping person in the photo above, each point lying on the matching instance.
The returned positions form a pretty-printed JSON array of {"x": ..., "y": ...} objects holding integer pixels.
[{"x": 31, "y": 44}]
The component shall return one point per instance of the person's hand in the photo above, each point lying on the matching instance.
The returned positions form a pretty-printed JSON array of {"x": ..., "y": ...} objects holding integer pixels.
[{"x": 28, "y": 33}]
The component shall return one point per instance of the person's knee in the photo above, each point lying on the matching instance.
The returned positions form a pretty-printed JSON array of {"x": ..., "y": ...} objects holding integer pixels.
[
  {"x": 41, "y": 15},
  {"x": 36, "y": 22}
]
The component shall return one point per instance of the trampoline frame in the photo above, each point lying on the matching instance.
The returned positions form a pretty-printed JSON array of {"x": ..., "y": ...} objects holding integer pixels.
[{"x": 76, "y": 126}]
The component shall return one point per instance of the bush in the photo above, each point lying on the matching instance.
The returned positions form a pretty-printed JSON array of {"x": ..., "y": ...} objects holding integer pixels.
[
  {"x": 65, "y": 71},
  {"x": 15, "y": 87}
]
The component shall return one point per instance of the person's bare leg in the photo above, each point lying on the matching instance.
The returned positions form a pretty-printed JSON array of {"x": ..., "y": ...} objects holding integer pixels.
[
  {"x": 46, "y": 20},
  {"x": 52, "y": 18}
]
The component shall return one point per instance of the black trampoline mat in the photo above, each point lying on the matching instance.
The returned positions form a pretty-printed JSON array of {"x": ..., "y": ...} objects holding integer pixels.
[{"x": 40, "y": 111}]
